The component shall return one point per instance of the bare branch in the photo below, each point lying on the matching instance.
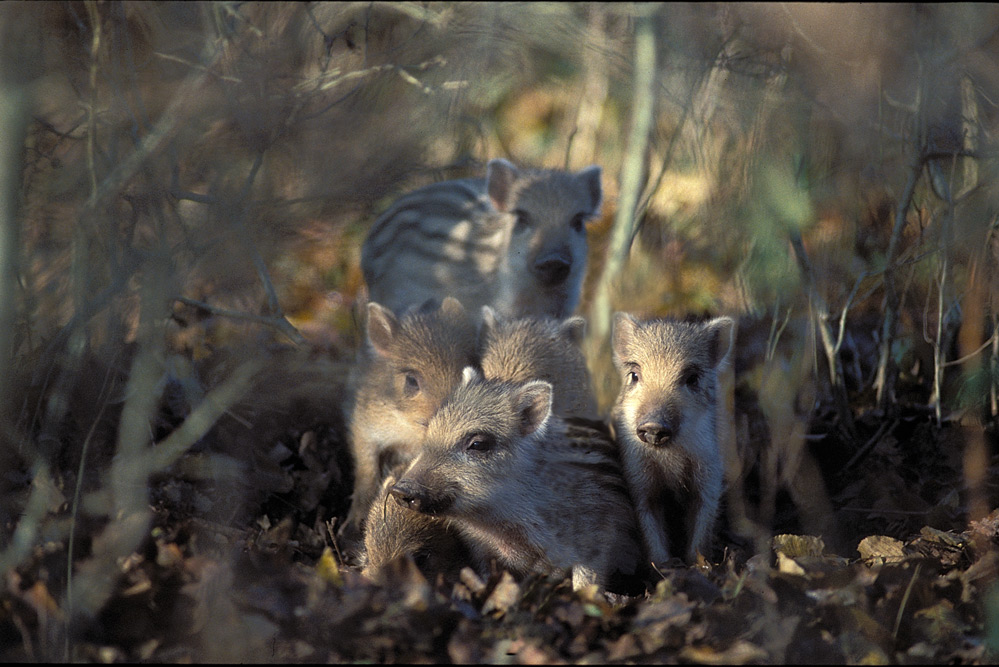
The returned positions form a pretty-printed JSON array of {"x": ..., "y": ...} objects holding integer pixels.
[
  {"x": 846, "y": 308},
  {"x": 278, "y": 322},
  {"x": 198, "y": 67},
  {"x": 631, "y": 174},
  {"x": 984, "y": 346},
  {"x": 13, "y": 129},
  {"x": 103, "y": 399},
  {"x": 202, "y": 418},
  {"x": 135, "y": 460},
  {"x": 837, "y": 383},
  {"x": 884, "y": 381}
]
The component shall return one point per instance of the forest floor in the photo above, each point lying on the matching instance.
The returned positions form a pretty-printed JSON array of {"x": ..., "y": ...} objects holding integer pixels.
[{"x": 245, "y": 567}]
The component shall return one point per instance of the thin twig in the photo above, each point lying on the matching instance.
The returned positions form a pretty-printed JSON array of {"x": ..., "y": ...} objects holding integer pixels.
[
  {"x": 773, "y": 338},
  {"x": 197, "y": 66},
  {"x": 862, "y": 452},
  {"x": 280, "y": 323},
  {"x": 276, "y": 318},
  {"x": 13, "y": 131},
  {"x": 884, "y": 381},
  {"x": 905, "y": 600},
  {"x": 95, "y": 45},
  {"x": 988, "y": 341},
  {"x": 102, "y": 399},
  {"x": 184, "y": 195},
  {"x": 667, "y": 159},
  {"x": 826, "y": 54},
  {"x": 938, "y": 351},
  {"x": 200, "y": 420},
  {"x": 593, "y": 93},
  {"x": 879, "y": 510},
  {"x": 273, "y": 305},
  {"x": 846, "y": 308},
  {"x": 837, "y": 383}
]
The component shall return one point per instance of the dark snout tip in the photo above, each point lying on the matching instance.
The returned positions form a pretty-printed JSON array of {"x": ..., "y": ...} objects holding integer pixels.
[
  {"x": 654, "y": 433},
  {"x": 552, "y": 270},
  {"x": 404, "y": 496}
]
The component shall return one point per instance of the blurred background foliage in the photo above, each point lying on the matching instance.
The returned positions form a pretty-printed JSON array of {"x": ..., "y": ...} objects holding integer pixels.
[
  {"x": 250, "y": 138},
  {"x": 196, "y": 180}
]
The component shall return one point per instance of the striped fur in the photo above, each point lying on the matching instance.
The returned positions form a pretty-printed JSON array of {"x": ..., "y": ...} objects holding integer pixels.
[
  {"x": 665, "y": 421},
  {"x": 514, "y": 240},
  {"x": 526, "y": 488}
]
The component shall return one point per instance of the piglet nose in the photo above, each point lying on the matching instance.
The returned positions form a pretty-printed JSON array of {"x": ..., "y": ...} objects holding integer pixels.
[
  {"x": 553, "y": 268},
  {"x": 405, "y": 494},
  {"x": 655, "y": 433}
]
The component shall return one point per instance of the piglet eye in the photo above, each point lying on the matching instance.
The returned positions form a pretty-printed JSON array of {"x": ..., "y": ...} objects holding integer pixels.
[
  {"x": 480, "y": 443},
  {"x": 523, "y": 221},
  {"x": 412, "y": 383},
  {"x": 692, "y": 378},
  {"x": 633, "y": 376}
]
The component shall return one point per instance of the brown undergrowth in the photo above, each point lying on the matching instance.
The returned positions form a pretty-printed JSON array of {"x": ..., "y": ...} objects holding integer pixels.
[{"x": 240, "y": 561}]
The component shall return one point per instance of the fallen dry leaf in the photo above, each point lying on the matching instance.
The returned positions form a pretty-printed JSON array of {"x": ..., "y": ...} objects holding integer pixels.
[{"x": 881, "y": 549}]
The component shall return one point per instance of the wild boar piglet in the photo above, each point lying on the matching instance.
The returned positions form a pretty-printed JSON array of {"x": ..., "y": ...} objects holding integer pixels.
[
  {"x": 514, "y": 240},
  {"x": 665, "y": 421},
  {"x": 525, "y": 487},
  {"x": 406, "y": 368}
]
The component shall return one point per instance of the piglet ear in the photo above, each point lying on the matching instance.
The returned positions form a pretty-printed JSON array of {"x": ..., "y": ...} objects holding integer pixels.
[
  {"x": 590, "y": 178},
  {"x": 469, "y": 375},
  {"x": 533, "y": 403},
  {"x": 487, "y": 325},
  {"x": 622, "y": 333},
  {"x": 722, "y": 333},
  {"x": 500, "y": 176},
  {"x": 575, "y": 329},
  {"x": 451, "y": 307},
  {"x": 490, "y": 319},
  {"x": 382, "y": 327}
]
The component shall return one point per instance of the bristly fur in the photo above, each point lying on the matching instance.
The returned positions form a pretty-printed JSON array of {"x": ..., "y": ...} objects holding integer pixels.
[
  {"x": 513, "y": 350},
  {"x": 410, "y": 364},
  {"x": 539, "y": 348},
  {"x": 665, "y": 421},
  {"x": 393, "y": 532},
  {"x": 525, "y": 487}
]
